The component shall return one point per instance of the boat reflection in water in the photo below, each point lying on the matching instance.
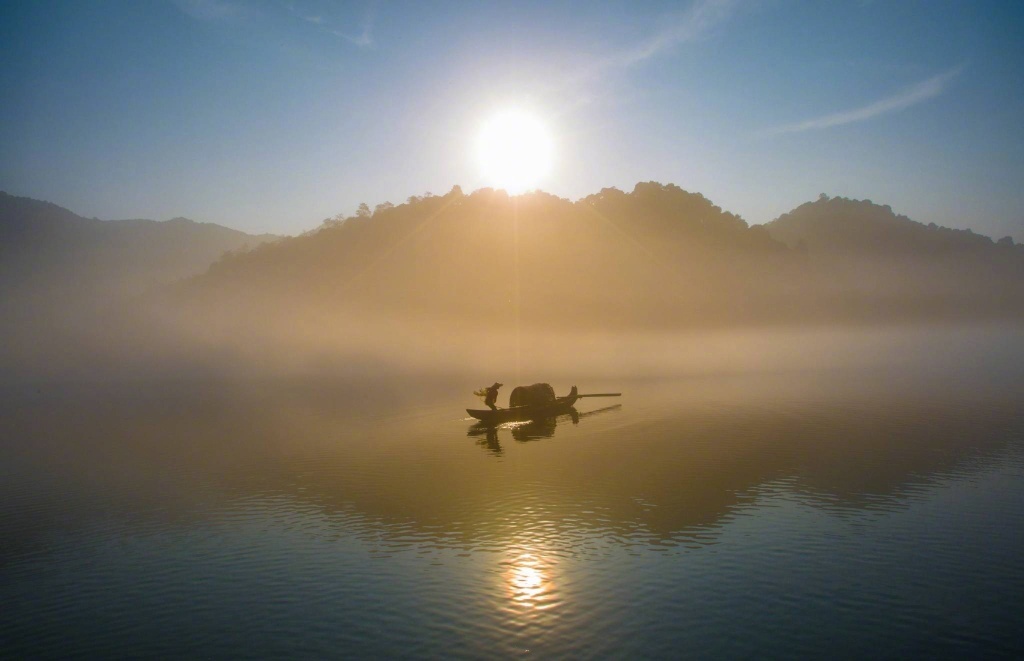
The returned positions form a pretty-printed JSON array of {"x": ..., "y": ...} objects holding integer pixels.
[{"x": 529, "y": 430}]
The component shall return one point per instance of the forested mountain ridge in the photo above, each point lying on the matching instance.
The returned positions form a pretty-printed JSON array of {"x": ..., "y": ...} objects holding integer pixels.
[
  {"x": 886, "y": 266},
  {"x": 841, "y": 225},
  {"x": 460, "y": 278},
  {"x": 656, "y": 254}
]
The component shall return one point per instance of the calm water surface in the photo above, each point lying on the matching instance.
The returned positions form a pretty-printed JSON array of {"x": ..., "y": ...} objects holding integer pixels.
[{"x": 873, "y": 512}]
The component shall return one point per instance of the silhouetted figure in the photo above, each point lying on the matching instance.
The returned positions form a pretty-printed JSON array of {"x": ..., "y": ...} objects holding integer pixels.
[{"x": 492, "y": 395}]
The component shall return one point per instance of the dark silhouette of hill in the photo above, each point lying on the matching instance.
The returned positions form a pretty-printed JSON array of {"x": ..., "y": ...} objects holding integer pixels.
[
  {"x": 46, "y": 248},
  {"x": 839, "y": 225},
  {"x": 654, "y": 256},
  {"x": 44, "y": 244},
  {"x": 871, "y": 261},
  {"x": 502, "y": 277},
  {"x": 66, "y": 282}
]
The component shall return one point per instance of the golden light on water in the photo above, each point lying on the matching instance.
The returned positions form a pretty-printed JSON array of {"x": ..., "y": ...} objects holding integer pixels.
[
  {"x": 528, "y": 583},
  {"x": 515, "y": 150}
]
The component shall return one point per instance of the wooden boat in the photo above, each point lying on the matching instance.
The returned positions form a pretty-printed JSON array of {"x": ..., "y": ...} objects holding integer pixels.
[
  {"x": 496, "y": 417},
  {"x": 559, "y": 406}
]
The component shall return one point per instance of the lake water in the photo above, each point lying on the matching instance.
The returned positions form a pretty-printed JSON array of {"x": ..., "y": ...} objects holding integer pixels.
[{"x": 869, "y": 509}]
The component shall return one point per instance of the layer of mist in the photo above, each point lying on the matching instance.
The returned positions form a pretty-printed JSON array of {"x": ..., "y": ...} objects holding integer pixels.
[{"x": 642, "y": 283}]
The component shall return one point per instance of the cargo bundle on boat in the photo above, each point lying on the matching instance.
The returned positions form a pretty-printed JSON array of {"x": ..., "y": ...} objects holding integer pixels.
[{"x": 532, "y": 402}]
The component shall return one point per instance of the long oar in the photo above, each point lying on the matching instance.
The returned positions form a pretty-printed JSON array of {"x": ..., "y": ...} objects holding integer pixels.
[{"x": 602, "y": 394}]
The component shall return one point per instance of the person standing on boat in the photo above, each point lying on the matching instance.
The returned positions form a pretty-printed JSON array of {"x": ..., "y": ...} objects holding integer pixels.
[{"x": 492, "y": 395}]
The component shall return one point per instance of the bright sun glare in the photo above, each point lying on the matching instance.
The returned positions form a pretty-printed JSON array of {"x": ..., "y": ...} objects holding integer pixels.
[{"x": 515, "y": 151}]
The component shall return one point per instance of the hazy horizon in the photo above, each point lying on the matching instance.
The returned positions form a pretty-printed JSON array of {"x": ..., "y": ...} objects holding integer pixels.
[{"x": 319, "y": 223}]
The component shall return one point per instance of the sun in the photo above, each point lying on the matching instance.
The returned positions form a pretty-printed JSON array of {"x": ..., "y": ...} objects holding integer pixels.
[{"x": 515, "y": 151}]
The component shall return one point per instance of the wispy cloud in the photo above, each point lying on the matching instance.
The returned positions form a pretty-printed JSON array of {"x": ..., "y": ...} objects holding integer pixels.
[
  {"x": 364, "y": 38},
  {"x": 911, "y": 96},
  {"x": 585, "y": 84},
  {"x": 314, "y": 19},
  {"x": 699, "y": 19}
]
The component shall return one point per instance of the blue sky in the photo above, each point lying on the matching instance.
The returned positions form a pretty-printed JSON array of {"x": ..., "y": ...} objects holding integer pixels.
[{"x": 272, "y": 115}]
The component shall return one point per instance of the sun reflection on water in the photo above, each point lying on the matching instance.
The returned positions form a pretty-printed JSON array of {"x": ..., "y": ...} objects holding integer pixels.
[{"x": 528, "y": 582}]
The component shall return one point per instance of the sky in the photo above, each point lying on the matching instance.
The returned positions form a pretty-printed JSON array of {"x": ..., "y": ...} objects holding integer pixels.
[{"x": 270, "y": 116}]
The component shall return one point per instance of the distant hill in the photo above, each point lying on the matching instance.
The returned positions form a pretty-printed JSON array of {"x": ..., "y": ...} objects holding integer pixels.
[
  {"x": 870, "y": 261},
  {"x": 655, "y": 255},
  {"x": 472, "y": 279},
  {"x": 47, "y": 250},
  {"x": 839, "y": 225}
]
